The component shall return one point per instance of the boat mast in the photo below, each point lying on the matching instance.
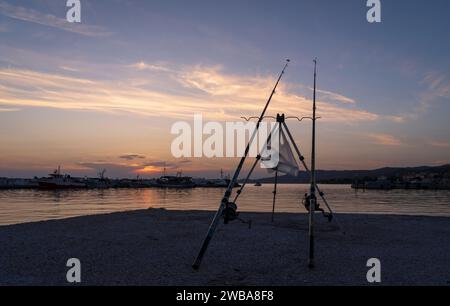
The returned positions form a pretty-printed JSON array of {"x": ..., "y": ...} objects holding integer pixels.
[{"x": 312, "y": 203}]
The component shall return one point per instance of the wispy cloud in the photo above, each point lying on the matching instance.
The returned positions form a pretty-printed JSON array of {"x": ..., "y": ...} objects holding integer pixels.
[
  {"x": 145, "y": 66},
  {"x": 398, "y": 119},
  {"x": 384, "y": 139},
  {"x": 112, "y": 169},
  {"x": 246, "y": 91},
  {"x": 440, "y": 144},
  {"x": 335, "y": 96},
  {"x": 71, "y": 69},
  {"x": 4, "y": 110},
  {"x": 158, "y": 166},
  {"x": 188, "y": 90},
  {"x": 131, "y": 156},
  {"x": 161, "y": 164},
  {"x": 438, "y": 84},
  {"x": 132, "y": 168},
  {"x": 34, "y": 16},
  {"x": 435, "y": 85}
]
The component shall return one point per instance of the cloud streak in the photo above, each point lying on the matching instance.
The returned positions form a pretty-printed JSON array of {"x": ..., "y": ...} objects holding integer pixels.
[
  {"x": 145, "y": 66},
  {"x": 336, "y": 96},
  {"x": 437, "y": 85},
  {"x": 131, "y": 156},
  {"x": 5, "y": 110},
  {"x": 132, "y": 167},
  {"x": 184, "y": 92},
  {"x": 385, "y": 139},
  {"x": 112, "y": 169},
  {"x": 36, "y": 17},
  {"x": 440, "y": 144}
]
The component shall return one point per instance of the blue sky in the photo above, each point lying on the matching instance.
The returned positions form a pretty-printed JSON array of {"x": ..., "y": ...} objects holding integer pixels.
[{"x": 82, "y": 95}]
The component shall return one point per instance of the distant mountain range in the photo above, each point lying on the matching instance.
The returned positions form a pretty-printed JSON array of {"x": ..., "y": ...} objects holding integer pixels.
[{"x": 350, "y": 176}]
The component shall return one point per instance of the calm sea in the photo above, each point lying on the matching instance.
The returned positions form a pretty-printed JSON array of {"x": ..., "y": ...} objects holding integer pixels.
[{"x": 19, "y": 206}]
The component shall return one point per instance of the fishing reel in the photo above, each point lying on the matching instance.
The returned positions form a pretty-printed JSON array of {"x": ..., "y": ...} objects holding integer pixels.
[{"x": 230, "y": 212}]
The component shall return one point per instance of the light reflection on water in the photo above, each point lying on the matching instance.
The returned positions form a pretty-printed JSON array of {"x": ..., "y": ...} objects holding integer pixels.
[{"x": 19, "y": 206}]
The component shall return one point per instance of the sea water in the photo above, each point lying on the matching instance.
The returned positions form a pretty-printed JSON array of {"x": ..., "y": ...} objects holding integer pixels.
[{"x": 20, "y": 206}]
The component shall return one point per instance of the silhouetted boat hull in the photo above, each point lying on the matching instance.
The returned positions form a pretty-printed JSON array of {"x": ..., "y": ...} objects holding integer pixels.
[
  {"x": 60, "y": 184},
  {"x": 181, "y": 182}
]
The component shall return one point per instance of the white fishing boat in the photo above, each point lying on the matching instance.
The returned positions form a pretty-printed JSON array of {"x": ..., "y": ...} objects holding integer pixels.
[{"x": 56, "y": 180}]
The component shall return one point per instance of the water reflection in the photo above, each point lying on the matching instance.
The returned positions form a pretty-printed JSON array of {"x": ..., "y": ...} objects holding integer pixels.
[{"x": 18, "y": 206}]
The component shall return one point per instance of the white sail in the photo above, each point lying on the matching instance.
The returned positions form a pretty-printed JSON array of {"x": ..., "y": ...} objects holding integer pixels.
[{"x": 286, "y": 160}]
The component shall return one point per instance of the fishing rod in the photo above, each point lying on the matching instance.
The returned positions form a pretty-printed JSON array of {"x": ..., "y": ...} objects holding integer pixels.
[
  {"x": 312, "y": 199},
  {"x": 227, "y": 209}
]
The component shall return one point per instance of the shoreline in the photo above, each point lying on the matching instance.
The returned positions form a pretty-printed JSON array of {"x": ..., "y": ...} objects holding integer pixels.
[
  {"x": 157, "y": 247},
  {"x": 338, "y": 214}
]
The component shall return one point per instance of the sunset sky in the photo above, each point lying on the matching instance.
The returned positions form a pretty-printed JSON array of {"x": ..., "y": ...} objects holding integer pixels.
[{"x": 105, "y": 93}]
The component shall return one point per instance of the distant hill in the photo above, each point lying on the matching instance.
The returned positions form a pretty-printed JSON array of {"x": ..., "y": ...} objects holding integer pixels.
[{"x": 349, "y": 176}]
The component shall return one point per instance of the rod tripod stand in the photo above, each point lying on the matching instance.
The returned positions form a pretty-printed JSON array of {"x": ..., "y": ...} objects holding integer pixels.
[
  {"x": 281, "y": 126},
  {"x": 229, "y": 211}
]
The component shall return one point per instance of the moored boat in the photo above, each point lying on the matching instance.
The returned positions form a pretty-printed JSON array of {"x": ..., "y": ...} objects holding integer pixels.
[
  {"x": 175, "y": 182},
  {"x": 56, "y": 180}
]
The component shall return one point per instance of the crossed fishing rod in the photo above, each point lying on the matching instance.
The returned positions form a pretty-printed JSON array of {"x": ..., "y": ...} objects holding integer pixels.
[{"x": 227, "y": 209}]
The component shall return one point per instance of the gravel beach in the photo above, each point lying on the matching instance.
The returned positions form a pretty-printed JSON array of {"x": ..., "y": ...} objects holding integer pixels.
[{"x": 157, "y": 247}]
